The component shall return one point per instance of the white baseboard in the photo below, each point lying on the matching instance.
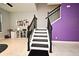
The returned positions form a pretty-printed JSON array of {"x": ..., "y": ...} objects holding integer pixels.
[
  {"x": 65, "y": 42},
  {"x": 55, "y": 21}
]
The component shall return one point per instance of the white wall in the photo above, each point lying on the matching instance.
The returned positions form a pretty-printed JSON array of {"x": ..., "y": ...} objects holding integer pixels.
[
  {"x": 41, "y": 13},
  {"x": 9, "y": 19},
  {"x": 5, "y": 22},
  {"x": 14, "y": 17}
]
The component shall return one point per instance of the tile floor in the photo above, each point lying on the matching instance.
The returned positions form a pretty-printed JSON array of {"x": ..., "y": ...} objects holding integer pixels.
[
  {"x": 65, "y": 49},
  {"x": 18, "y": 47}
]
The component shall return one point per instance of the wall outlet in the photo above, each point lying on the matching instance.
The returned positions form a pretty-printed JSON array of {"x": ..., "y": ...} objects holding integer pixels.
[{"x": 56, "y": 37}]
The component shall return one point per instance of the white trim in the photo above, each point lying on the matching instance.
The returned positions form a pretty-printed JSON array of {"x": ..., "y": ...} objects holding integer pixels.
[
  {"x": 40, "y": 31},
  {"x": 35, "y": 42},
  {"x": 40, "y": 34},
  {"x": 41, "y": 28},
  {"x": 69, "y": 42},
  {"x": 58, "y": 18},
  {"x": 39, "y": 37},
  {"x": 39, "y": 48}
]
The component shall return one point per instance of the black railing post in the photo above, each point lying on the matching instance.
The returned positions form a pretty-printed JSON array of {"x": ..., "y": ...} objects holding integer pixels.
[
  {"x": 49, "y": 26},
  {"x": 30, "y": 29},
  {"x": 53, "y": 11},
  {"x": 28, "y": 47},
  {"x": 51, "y": 39},
  {"x": 50, "y": 34},
  {"x": 35, "y": 21}
]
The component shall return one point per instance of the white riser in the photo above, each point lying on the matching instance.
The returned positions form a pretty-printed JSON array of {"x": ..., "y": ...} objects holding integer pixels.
[
  {"x": 39, "y": 34},
  {"x": 40, "y": 38},
  {"x": 40, "y": 31},
  {"x": 38, "y": 48},
  {"x": 40, "y": 42},
  {"x": 32, "y": 42}
]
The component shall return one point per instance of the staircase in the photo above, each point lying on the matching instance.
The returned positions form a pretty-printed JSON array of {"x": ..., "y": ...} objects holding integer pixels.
[
  {"x": 40, "y": 40},
  {"x": 39, "y": 45}
]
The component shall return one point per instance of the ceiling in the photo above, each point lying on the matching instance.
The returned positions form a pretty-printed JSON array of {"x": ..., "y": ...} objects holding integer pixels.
[
  {"x": 21, "y": 7},
  {"x": 54, "y": 3}
]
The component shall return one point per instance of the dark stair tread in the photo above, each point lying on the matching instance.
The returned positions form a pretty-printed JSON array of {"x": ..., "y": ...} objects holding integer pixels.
[
  {"x": 41, "y": 29},
  {"x": 41, "y": 32},
  {"x": 40, "y": 35},
  {"x": 40, "y": 40},
  {"x": 3, "y": 47},
  {"x": 38, "y": 53},
  {"x": 40, "y": 45}
]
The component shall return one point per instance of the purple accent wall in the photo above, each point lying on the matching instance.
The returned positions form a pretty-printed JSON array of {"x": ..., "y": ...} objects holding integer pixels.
[{"x": 67, "y": 28}]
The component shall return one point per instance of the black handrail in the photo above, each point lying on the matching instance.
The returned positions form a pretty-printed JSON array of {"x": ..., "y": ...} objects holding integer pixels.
[
  {"x": 53, "y": 11},
  {"x": 49, "y": 27},
  {"x": 30, "y": 30}
]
